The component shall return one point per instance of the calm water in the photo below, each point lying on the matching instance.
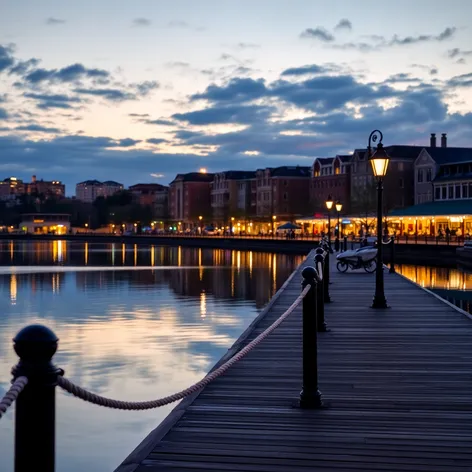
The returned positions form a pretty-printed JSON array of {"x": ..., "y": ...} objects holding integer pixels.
[{"x": 135, "y": 323}]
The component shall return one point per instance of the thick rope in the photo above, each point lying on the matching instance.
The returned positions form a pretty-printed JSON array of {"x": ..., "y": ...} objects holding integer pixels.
[
  {"x": 83, "y": 394},
  {"x": 17, "y": 387},
  {"x": 320, "y": 271}
]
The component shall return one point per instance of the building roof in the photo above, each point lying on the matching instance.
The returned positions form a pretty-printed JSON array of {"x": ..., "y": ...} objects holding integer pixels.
[
  {"x": 238, "y": 174},
  {"x": 289, "y": 171},
  {"x": 152, "y": 186},
  {"x": 345, "y": 158},
  {"x": 453, "y": 178},
  {"x": 324, "y": 160},
  {"x": 450, "y": 155},
  {"x": 443, "y": 208},
  {"x": 90, "y": 182},
  {"x": 112, "y": 182},
  {"x": 194, "y": 177}
]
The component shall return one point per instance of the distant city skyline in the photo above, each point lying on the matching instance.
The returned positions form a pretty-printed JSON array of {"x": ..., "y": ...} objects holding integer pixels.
[{"x": 138, "y": 92}]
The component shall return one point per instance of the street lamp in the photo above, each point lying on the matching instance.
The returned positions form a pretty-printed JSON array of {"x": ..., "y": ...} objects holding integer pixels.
[
  {"x": 273, "y": 225},
  {"x": 379, "y": 160},
  {"x": 200, "y": 219},
  {"x": 329, "y": 204},
  {"x": 339, "y": 207}
]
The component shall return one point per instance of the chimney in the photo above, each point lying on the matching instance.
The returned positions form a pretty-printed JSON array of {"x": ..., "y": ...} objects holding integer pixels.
[
  {"x": 444, "y": 140},
  {"x": 33, "y": 179},
  {"x": 432, "y": 140}
]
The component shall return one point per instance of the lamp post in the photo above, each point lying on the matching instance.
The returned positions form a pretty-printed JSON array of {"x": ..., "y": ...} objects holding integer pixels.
[
  {"x": 329, "y": 204},
  {"x": 339, "y": 207},
  {"x": 379, "y": 160},
  {"x": 273, "y": 225},
  {"x": 200, "y": 218}
]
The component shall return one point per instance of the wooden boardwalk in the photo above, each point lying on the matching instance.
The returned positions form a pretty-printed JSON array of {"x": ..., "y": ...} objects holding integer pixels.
[{"x": 398, "y": 384}]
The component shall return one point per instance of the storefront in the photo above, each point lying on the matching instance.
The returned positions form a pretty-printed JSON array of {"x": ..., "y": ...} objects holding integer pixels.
[{"x": 45, "y": 223}]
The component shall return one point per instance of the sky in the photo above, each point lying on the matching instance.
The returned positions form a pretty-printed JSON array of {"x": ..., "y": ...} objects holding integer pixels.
[{"x": 140, "y": 91}]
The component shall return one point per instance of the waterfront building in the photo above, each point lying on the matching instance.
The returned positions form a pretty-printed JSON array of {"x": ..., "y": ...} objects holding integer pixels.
[
  {"x": 330, "y": 176},
  {"x": 45, "y": 223},
  {"x": 190, "y": 198},
  {"x": 11, "y": 188},
  {"x": 153, "y": 195},
  {"x": 233, "y": 195},
  {"x": 89, "y": 190}
]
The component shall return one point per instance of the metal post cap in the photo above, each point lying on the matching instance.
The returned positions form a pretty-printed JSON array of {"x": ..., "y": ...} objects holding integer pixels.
[
  {"x": 309, "y": 273},
  {"x": 319, "y": 258},
  {"x": 35, "y": 343},
  {"x": 319, "y": 250}
]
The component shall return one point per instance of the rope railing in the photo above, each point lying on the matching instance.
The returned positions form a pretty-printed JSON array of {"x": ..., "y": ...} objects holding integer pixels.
[
  {"x": 16, "y": 388},
  {"x": 87, "y": 396}
]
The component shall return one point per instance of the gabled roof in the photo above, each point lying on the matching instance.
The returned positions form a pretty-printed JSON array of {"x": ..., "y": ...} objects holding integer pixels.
[
  {"x": 450, "y": 155},
  {"x": 194, "y": 177},
  {"x": 90, "y": 182},
  {"x": 289, "y": 171},
  {"x": 324, "y": 161},
  {"x": 152, "y": 186},
  {"x": 112, "y": 182},
  {"x": 345, "y": 158},
  {"x": 238, "y": 174}
]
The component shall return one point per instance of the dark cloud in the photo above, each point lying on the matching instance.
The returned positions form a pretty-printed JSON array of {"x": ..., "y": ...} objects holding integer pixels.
[
  {"x": 318, "y": 33},
  {"x": 126, "y": 142},
  {"x": 38, "y": 128},
  {"x": 446, "y": 34},
  {"x": 241, "y": 114},
  {"x": 144, "y": 88},
  {"x": 22, "y": 67},
  {"x": 3, "y": 114},
  {"x": 114, "y": 95},
  {"x": 138, "y": 115},
  {"x": 308, "y": 69},
  {"x": 47, "y": 101},
  {"x": 457, "y": 52},
  {"x": 464, "y": 80},
  {"x": 141, "y": 22},
  {"x": 401, "y": 77},
  {"x": 237, "y": 89},
  {"x": 6, "y": 57},
  {"x": 70, "y": 73},
  {"x": 54, "y": 21},
  {"x": 344, "y": 24},
  {"x": 158, "y": 122},
  {"x": 431, "y": 69},
  {"x": 156, "y": 141}
]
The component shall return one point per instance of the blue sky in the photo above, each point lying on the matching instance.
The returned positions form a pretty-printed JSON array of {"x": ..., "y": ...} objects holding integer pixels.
[{"x": 139, "y": 91}]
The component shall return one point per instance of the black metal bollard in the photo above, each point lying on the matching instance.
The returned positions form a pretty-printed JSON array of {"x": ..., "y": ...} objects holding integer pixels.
[
  {"x": 327, "y": 298},
  {"x": 320, "y": 311},
  {"x": 392, "y": 256},
  {"x": 310, "y": 396},
  {"x": 35, "y": 416},
  {"x": 345, "y": 244}
]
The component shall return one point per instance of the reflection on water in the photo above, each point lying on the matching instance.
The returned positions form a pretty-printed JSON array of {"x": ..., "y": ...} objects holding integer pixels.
[
  {"x": 152, "y": 327},
  {"x": 451, "y": 284}
]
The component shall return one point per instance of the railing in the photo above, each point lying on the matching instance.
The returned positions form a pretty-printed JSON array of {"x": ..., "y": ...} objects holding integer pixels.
[{"x": 35, "y": 377}]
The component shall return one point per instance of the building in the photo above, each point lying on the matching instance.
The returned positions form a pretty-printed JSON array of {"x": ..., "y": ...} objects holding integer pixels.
[
  {"x": 330, "y": 176},
  {"x": 233, "y": 196},
  {"x": 190, "y": 198},
  {"x": 154, "y": 195},
  {"x": 89, "y": 190},
  {"x": 45, "y": 223},
  {"x": 282, "y": 192},
  {"x": 11, "y": 188},
  {"x": 53, "y": 188}
]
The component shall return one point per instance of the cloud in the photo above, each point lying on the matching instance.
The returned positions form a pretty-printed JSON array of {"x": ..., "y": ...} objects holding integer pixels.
[
  {"x": 22, "y": 67},
  {"x": 138, "y": 115},
  {"x": 446, "y": 34},
  {"x": 114, "y": 95},
  {"x": 305, "y": 70},
  {"x": 6, "y": 57},
  {"x": 144, "y": 88},
  {"x": 244, "y": 45},
  {"x": 159, "y": 122},
  {"x": 3, "y": 114},
  {"x": 141, "y": 22},
  {"x": 156, "y": 141},
  {"x": 47, "y": 101},
  {"x": 127, "y": 142},
  {"x": 70, "y": 73},
  {"x": 38, "y": 128},
  {"x": 232, "y": 114},
  {"x": 54, "y": 21},
  {"x": 464, "y": 80},
  {"x": 317, "y": 33},
  {"x": 237, "y": 89},
  {"x": 344, "y": 24},
  {"x": 457, "y": 52}
]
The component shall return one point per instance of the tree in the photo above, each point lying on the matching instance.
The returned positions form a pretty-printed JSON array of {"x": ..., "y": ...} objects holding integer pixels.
[{"x": 364, "y": 204}]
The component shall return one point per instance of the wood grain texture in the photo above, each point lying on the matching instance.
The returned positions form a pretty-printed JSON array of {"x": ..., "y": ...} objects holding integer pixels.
[{"x": 397, "y": 384}]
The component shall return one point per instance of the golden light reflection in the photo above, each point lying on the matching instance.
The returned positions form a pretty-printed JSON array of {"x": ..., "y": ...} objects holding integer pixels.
[
  {"x": 238, "y": 260},
  {"x": 250, "y": 264},
  {"x": 274, "y": 273},
  {"x": 86, "y": 253},
  {"x": 13, "y": 289},
  {"x": 11, "y": 250},
  {"x": 435, "y": 277},
  {"x": 123, "y": 254},
  {"x": 61, "y": 249},
  {"x": 153, "y": 256},
  {"x": 203, "y": 306},
  {"x": 179, "y": 256},
  {"x": 135, "y": 254},
  {"x": 113, "y": 254},
  {"x": 200, "y": 266},
  {"x": 54, "y": 251}
]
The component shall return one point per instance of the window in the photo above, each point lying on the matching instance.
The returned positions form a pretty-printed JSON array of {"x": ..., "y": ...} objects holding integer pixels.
[
  {"x": 437, "y": 193},
  {"x": 337, "y": 170},
  {"x": 400, "y": 166},
  {"x": 443, "y": 193},
  {"x": 429, "y": 174},
  {"x": 285, "y": 196},
  {"x": 458, "y": 191},
  {"x": 420, "y": 175},
  {"x": 450, "y": 194},
  {"x": 465, "y": 189}
]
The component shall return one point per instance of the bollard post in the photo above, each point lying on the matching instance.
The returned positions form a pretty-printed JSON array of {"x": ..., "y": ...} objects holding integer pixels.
[
  {"x": 320, "y": 311},
  {"x": 345, "y": 243},
  {"x": 35, "y": 415},
  {"x": 392, "y": 256},
  {"x": 310, "y": 396},
  {"x": 327, "y": 298}
]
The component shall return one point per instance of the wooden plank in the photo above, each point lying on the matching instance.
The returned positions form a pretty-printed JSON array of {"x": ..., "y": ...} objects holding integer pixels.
[{"x": 397, "y": 381}]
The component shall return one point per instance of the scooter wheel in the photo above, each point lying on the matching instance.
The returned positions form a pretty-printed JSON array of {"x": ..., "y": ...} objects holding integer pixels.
[
  {"x": 370, "y": 267},
  {"x": 342, "y": 266}
]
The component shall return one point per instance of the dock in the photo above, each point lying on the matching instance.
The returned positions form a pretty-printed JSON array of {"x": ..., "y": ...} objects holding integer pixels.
[{"x": 396, "y": 383}]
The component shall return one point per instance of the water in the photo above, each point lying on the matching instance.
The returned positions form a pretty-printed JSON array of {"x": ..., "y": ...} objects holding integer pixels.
[
  {"x": 135, "y": 323},
  {"x": 452, "y": 284}
]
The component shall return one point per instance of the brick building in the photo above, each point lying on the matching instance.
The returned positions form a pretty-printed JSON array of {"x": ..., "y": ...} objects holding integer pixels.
[
  {"x": 11, "y": 188},
  {"x": 189, "y": 198},
  {"x": 330, "y": 176},
  {"x": 45, "y": 187},
  {"x": 153, "y": 195},
  {"x": 89, "y": 190},
  {"x": 233, "y": 194}
]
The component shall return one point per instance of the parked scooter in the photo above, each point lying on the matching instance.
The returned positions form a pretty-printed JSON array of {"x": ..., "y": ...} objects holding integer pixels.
[{"x": 363, "y": 258}]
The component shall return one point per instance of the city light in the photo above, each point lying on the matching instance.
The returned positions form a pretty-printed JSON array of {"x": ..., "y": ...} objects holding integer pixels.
[{"x": 203, "y": 170}]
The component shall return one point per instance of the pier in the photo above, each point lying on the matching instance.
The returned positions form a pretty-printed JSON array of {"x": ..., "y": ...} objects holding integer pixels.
[{"x": 395, "y": 385}]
